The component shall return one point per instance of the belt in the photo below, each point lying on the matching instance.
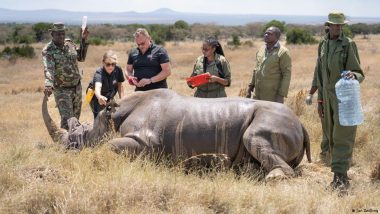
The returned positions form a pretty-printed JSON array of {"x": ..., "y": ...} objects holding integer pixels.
[{"x": 68, "y": 87}]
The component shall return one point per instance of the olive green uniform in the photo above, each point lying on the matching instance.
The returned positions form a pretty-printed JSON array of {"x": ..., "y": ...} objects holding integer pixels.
[
  {"x": 62, "y": 73},
  {"x": 325, "y": 142},
  {"x": 212, "y": 89},
  {"x": 335, "y": 56},
  {"x": 271, "y": 76}
]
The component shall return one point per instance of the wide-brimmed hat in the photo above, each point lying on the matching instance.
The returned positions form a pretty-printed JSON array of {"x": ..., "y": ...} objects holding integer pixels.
[
  {"x": 58, "y": 26},
  {"x": 336, "y": 18}
]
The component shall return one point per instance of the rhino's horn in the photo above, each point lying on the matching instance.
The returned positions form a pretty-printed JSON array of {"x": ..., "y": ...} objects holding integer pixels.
[{"x": 57, "y": 134}]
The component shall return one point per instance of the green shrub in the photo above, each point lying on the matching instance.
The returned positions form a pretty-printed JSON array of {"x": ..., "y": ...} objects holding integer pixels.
[
  {"x": 41, "y": 31},
  {"x": 25, "y": 51},
  {"x": 96, "y": 41},
  {"x": 159, "y": 40},
  {"x": 235, "y": 41},
  {"x": 299, "y": 36},
  {"x": 274, "y": 23},
  {"x": 347, "y": 32}
]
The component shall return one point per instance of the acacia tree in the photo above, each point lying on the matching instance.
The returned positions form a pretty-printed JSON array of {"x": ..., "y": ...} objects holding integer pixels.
[{"x": 179, "y": 31}]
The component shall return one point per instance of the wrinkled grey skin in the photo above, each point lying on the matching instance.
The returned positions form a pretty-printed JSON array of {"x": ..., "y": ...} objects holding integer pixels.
[
  {"x": 163, "y": 121},
  {"x": 79, "y": 135}
]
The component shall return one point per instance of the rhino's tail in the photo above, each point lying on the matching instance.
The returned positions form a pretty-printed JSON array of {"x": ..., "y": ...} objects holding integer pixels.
[{"x": 306, "y": 143}]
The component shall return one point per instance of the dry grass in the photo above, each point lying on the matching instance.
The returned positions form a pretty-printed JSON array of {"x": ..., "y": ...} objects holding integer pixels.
[
  {"x": 37, "y": 176},
  {"x": 376, "y": 172}
]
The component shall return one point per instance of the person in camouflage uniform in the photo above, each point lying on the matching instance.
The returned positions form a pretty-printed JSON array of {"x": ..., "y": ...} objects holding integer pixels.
[
  {"x": 271, "y": 76},
  {"x": 336, "y": 53},
  {"x": 62, "y": 77},
  {"x": 212, "y": 61}
]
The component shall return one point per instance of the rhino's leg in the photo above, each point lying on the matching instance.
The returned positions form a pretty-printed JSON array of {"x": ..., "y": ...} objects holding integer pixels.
[
  {"x": 130, "y": 145},
  {"x": 261, "y": 149}
]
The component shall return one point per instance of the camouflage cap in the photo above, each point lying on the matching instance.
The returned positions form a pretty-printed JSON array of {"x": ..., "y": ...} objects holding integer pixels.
[
  {"x": 336, "y": 18},
  {"x": 58, "y": 26}
]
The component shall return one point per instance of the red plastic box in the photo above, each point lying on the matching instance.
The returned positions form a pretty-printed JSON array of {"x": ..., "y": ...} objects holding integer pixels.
[{"x": 198, "y": 80}]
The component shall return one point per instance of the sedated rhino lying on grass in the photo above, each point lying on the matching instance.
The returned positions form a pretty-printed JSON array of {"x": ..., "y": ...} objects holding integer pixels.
[{"x": 183, "y": 127}]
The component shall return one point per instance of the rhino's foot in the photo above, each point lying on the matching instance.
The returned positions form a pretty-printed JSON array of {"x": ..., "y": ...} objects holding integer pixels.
[
  {"x": 207, "y": 161},
  {"x": 276, "y": 174},
  {"x": 125, "y": 144}
]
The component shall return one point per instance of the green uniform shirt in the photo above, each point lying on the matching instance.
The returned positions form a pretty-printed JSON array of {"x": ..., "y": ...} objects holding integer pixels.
[
  {"x": 60, "y": 64},
  {"x": 212, "y": 90},
  {"x": 334, "y": 57},
  {"x": 271, "y": 76}
]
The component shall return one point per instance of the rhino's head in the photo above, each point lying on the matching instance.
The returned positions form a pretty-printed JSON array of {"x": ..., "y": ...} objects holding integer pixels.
[
  {"x": 87, "y": 134},
  {"x": 103, "y": 123}
]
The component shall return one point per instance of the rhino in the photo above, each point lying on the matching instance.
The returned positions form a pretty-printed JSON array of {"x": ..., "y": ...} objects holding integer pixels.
[{"x": 183, "y": 127}]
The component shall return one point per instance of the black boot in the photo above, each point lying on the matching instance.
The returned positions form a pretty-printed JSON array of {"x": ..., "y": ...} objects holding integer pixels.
[{"x": 340, "y": 182}]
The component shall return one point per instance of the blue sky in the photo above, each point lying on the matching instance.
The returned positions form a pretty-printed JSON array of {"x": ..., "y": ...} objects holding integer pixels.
[{"x": 361, "y": 8}]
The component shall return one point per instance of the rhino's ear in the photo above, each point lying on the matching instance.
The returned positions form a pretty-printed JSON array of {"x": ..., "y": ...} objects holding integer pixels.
[{"x": 111, "y": 107}]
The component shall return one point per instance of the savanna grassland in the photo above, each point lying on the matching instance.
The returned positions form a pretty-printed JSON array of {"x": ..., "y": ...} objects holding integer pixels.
[{"x": 38, "y": 176}]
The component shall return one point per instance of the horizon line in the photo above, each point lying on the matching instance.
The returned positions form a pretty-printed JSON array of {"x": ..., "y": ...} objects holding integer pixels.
[{"x": 188, "y": 12}]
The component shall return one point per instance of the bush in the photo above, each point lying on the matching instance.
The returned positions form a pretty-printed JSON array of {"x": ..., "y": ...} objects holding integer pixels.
[
  {"x": 158, "y": 40},
  {"x": 25, "y": 51},
  {"x": 22, "y": 35},
  {"x": 235, "y": 41},
  {"x": 274, "y": 23},
  {"x": 347, "y": 32},
  {"x": 299, "y": 36},
  {"x": 96, "y": 41},
  {"x": 41, "y": 30}
]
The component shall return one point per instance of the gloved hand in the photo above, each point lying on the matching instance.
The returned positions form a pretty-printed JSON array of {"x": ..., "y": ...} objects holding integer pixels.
[
  {"x": 309, "y": 99},
  {"x": 132, "y": 80},
  {"x": 249, "y": 91}
]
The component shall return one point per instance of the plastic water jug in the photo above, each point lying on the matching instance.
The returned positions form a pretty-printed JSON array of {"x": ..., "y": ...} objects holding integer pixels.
[{"x": 349, "y": 105}]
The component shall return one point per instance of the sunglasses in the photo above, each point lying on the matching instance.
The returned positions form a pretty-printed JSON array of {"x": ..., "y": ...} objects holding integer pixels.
[{"x": 110, "y": 64}]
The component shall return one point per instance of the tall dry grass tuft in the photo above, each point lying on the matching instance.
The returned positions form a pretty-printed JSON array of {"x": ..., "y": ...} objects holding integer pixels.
[
  {"x": 297, "y": 102},
  {"x": 243, "y": 92}
]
